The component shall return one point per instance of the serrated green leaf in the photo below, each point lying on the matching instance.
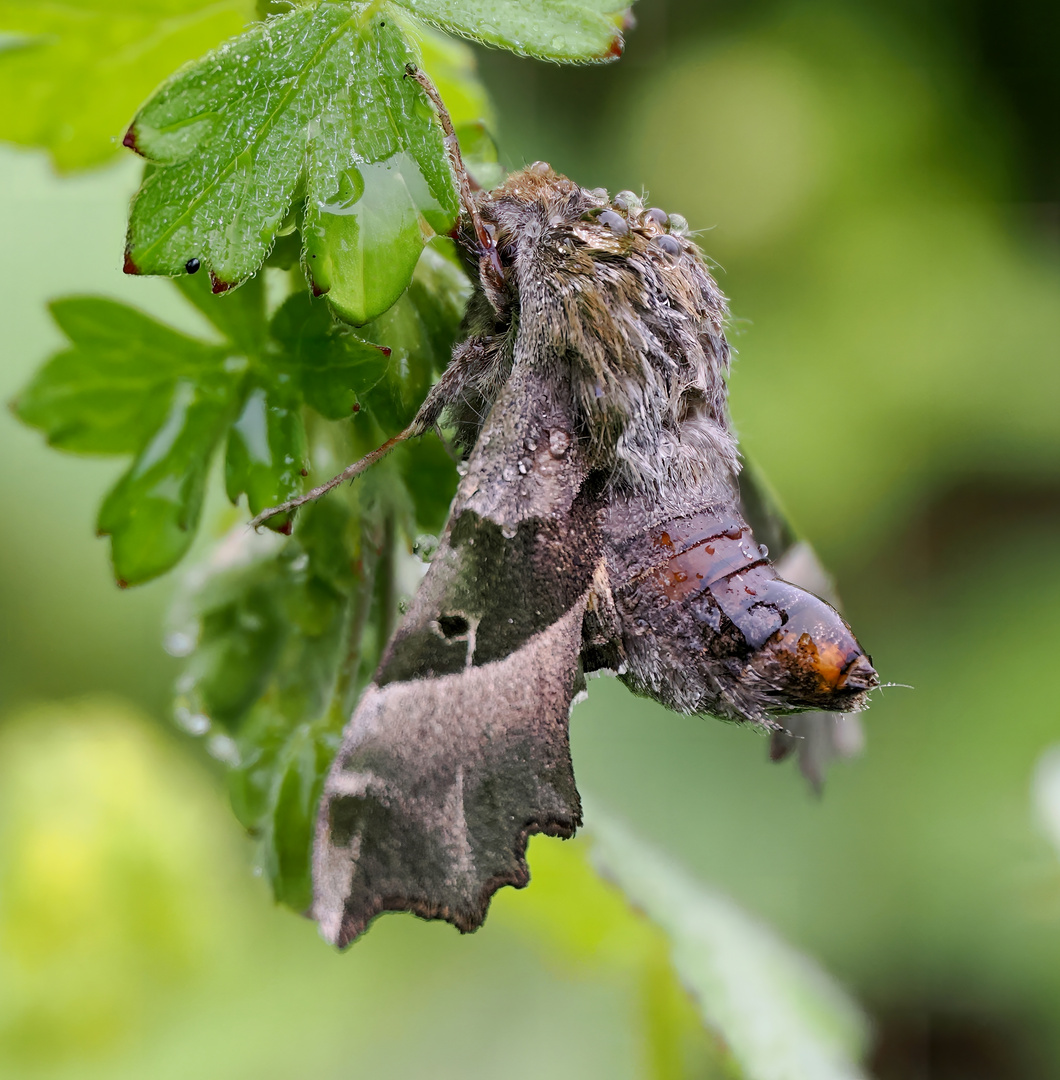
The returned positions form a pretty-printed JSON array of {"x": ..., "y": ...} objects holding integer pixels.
[
  {"x": 267, "y": 455},
  {"x": 318, "y": 93},
  {"x": 84, "y": 66},
  {"x": 152, "y": 513},
  {"x": 110, "y": 392},
  {"x": 779, "y": 1014},
  {"x": 567, "y": 31},
  {"x": 333, "y": 365}
]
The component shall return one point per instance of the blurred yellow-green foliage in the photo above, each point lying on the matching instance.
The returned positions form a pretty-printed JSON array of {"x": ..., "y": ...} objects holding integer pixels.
[{"x": 870, "y": 180}]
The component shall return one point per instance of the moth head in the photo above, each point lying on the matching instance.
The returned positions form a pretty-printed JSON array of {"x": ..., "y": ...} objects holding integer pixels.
[{"x": 813, "y": 661}]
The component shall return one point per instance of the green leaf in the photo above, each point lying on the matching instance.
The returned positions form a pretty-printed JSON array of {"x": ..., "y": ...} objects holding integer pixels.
[
  {"x": 152, "y": 513},
  {"x": 333, "y": 365},
  {"x": 291, "y": 822},
  {"x": 82, "y": 67},
  {"x": 130, "y": 385},
  {"x": 453, "y": 71},
  {"x": 267, "y": 455},
  {"x": 419, "y": 330},
  {"x": 111, "y": 391},
  {"x": 272, "y": 657},
  {"x": 568, "y": 31},
  {"x": 239, "y": 316},
  {"x": 319, "y": 93},
  {"x": 430, "y": 477},
  {"x": 779, "y": 1014}
]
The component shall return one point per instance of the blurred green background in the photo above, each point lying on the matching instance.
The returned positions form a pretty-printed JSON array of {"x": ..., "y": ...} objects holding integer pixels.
[{"x": 880, "y": 186}]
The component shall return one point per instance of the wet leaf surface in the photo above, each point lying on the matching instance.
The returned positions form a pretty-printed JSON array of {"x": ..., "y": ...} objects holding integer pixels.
[
  {"x": 74, "y": 73},
  {"x": 561, "y": 30},
  {"x": 312, "y": 103}
]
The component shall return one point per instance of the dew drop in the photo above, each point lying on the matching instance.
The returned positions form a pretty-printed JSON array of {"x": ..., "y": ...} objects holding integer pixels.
[
  {"x": 179, "y": 644},
  {"x": 667, "y": 244},
  {"x": 223, "y": 749},
  {"x": 615, "y": 222}
]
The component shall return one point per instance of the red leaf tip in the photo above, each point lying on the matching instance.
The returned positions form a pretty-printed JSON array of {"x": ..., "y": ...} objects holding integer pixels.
[
  {"x": 130, "y": 140},
  {"x": 129, "y": 266}
]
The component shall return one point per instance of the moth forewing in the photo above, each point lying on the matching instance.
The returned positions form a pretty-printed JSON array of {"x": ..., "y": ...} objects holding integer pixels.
[{"x": 459, "y": 750}]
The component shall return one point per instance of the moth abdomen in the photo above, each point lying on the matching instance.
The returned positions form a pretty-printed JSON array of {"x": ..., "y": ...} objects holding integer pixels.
[{"x": 707, "y": 625}]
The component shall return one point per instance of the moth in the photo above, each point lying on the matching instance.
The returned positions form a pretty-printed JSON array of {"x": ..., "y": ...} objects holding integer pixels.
[{"x": 599, "y": 525}]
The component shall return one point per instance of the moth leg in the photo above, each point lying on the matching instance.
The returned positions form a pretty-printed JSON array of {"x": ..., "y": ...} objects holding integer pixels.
[
  {"x": 489, "y": 260},
  {"x": 348, "y": 473},
  {"x": 447, "y": 390}
]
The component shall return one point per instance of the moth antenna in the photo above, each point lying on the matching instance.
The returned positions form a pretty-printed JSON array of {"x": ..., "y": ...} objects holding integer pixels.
[
  {"x": 487, "y": 247},
  {"x": 348, "y": 473}
]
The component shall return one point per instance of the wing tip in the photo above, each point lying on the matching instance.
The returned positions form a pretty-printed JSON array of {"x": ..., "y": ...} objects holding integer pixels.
[{"x": 467, "y": 918}]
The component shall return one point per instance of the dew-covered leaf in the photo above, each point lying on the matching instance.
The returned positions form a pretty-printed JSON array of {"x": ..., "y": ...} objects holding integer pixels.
[
  {"x": 131, "y": 385},
  {"x": 75, "y": 72},
  {"x": 365, "y": 227},
  {"x": 781, "y": 1016},
  {"x": 567, "y": 31},
  {"x": 315, "y": 97},
  {"x": 111, "y": 390},
  {"x": 152, "y": 513}
]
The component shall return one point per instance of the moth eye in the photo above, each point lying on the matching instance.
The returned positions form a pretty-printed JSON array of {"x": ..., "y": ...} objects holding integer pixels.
[
  {"x": 657, "y": 217},
  {"x": 192, "y": 266},
  {"x": 626, "y": 200},
  {"x": 615, "y": 222},
  {"x": 452, "y": 626},
  {"x": 667, "y": 244}
]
